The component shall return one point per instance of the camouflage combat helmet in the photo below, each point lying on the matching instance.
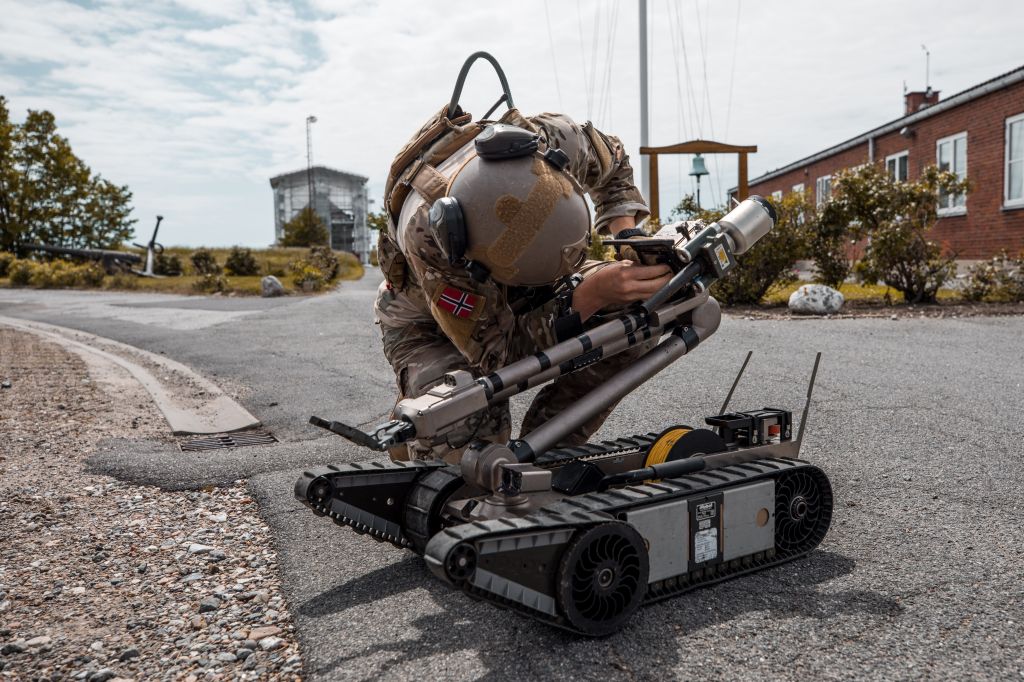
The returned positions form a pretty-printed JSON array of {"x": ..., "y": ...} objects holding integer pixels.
[{"x": 521, "y": 215}]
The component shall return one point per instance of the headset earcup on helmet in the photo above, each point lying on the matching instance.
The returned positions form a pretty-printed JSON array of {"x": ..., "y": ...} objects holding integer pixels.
[{"x": 448, "y": 227}]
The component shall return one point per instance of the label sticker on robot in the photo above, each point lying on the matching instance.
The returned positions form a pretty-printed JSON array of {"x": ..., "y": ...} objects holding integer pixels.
[
  {"x": 706, "y": 523},
  {"x": 705, "y": 545},
  {"x": 706, "y": 510},
  {"x": 723, "y": 257}
]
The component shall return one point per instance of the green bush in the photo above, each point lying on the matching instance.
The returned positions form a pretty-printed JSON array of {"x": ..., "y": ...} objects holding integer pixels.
[
  {"x": 241, "y": 263},
  {"x": 1001, "y": 278},
  {"x": 122, "y": 280},
  {"x": 203, "y": 263},
  {"x": 20, "y": 272},
  {"x": 597, "y": 250},
  {"x": 897, "y": 216},
  {"x": 211, "y": 283},
  {"x": 828, "y": 242},
  {"x": 90, "y": 275},
  {"x": 305, "y": 229},
  {"x": 5, "y": 262},
  {"x": 307, "y": 276},
  {"x": 324, "y": 260},
  {"x": 770, "y": 262},
  {"x": 63, "y": 274},
  {"x": 168, "y": 264}
]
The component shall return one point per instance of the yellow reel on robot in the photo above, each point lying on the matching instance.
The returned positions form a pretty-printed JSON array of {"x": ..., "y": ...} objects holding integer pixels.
[{"x": 658, "y": 452}]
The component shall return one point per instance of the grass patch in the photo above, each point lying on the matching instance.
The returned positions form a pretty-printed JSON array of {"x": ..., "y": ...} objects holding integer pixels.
[
  {"x": 854, "y": 292},
  {"x": 273, "y": 261}
]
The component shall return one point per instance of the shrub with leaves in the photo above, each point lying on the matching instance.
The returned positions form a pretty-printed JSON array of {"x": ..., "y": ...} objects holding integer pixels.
[
  {"x": 122, "y": 280},
  {"x": 770, "y": 262},
  {"x": 241, "y": 263},
  {"x": 307, "y": 276},
  {"x": 305, "y": 229},
  {"x": 830, "y": 233},
  {"x": 90, "y": 275},
  {"x": 597, "y": 250},
  {"x": 64, "y": 274},
  {"x": 5, "y": 262},
  {"x": 324, "y": 260},
  {"x": 1000, "y": 278},
  {"x": 20, "y": 272},
  {"x": 168, "y": 264},
  {"x": 203, "y": 263},
  {"x": 211, "y": 283},
  {"x": 896, "y": 217}
]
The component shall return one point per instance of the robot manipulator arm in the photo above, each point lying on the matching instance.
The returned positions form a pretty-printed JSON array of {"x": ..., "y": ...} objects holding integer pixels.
[{"x": 432, "y": 414}]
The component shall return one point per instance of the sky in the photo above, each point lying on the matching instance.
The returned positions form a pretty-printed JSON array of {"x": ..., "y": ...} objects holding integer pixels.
[{"x": 195, "y": 104}]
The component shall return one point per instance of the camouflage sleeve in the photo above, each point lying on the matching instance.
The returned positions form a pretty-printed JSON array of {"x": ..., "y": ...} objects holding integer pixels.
[
  {"x": 475, "y": 316},
  {"x": 600, "y": 164}
]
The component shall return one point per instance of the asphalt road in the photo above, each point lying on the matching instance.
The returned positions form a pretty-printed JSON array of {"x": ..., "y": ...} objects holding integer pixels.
[{"x": 916, "y": 421}]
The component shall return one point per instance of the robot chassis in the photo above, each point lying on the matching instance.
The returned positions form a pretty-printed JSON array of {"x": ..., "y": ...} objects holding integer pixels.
[{"x": 580, "y": 537}]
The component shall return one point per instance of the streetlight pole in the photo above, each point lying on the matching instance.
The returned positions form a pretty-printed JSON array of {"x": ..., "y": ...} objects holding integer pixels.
[{"x": 310, "y": 120}]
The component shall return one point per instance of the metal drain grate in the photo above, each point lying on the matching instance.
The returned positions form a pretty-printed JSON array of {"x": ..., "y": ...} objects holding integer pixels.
[{"x": 228, "y": 440}]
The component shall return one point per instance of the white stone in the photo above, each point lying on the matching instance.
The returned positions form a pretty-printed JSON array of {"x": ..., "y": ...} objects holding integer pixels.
[
  {"x": 816, "y": 299},
  {"x": 271, "y": 286},
  {"x": 271, "y": 643}
]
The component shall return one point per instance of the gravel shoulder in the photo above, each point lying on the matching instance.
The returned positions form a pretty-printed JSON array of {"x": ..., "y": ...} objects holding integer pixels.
[{"x": 100, "y": 579}]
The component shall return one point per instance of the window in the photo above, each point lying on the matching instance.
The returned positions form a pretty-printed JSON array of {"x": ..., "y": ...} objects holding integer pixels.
[
  {"x": 799, "y": 187},
  {"x": 951, "y": 155},
  {"x": 897, "y": 166},
  {"x": 777, "y": 195},
  {"x": 823, "y": 189},
  {"x": 1014, "y": 173}
]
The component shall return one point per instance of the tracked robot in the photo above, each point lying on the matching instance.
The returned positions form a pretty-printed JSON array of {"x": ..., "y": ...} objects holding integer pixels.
[{"x": 581, "y": 537}]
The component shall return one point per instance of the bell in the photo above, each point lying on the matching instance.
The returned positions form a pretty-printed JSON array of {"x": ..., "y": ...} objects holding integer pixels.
[{"x": 699, "y": 168}]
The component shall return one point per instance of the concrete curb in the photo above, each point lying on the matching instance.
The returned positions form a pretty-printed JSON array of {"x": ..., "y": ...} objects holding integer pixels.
[{"x": 207, "y": 411}]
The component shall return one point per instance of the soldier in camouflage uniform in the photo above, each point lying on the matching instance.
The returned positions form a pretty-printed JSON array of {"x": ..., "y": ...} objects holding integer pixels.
[{"x": 436, "y": 318}]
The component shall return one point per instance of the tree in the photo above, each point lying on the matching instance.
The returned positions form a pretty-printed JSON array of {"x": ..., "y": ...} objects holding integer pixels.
[
  {"x": 770, "y": 261},
  {"x": 305, "y": 229},
  {"x": 378, "y": 221},
  {"x": 49, "y": 195},
  {"x": 896, "y": 216}
]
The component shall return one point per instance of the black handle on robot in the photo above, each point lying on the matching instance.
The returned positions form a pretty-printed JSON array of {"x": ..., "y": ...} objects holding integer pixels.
[{"x": 673, "y": 469}]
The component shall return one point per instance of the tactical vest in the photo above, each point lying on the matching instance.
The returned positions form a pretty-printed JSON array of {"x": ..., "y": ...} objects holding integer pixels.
[{"x": 415, "y": 168}]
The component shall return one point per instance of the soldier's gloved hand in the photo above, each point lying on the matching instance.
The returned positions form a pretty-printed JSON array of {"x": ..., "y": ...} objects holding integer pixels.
[
  {"x": 618, "y": 283},
  {"x": 625, "y": 251}
]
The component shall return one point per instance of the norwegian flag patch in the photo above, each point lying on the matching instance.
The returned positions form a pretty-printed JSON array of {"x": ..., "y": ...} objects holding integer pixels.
[{"x": 457, "y": 302}]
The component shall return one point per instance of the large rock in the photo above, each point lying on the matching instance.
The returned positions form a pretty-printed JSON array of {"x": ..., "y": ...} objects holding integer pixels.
[
  {"x": 271, "y": 286},
  {"x": 816, "y": 299}
]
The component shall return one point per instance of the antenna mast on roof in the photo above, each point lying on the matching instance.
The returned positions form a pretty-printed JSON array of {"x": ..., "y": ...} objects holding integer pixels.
[{"x": 927, "y": 68}]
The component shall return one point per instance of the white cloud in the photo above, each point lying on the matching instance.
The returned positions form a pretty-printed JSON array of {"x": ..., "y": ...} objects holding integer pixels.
[{"x": 195, "y": 104}]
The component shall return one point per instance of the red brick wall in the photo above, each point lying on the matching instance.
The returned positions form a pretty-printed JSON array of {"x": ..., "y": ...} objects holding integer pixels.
[{"x": 987, "y": 227}]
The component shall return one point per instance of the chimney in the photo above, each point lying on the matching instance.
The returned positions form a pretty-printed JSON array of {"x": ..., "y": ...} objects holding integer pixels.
[{"x": 921, "y": 99}]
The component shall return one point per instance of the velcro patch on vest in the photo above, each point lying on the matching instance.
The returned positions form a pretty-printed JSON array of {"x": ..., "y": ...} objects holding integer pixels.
[{"x": 458, "y": 303}]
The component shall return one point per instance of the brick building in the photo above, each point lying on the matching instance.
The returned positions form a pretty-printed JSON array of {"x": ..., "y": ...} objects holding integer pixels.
[{"x": 978, "y": 133}]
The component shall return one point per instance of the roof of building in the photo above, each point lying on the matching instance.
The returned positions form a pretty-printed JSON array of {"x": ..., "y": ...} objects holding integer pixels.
[
  {"x": 319, "y": 169},
  {"x": 971, "y": 93}
]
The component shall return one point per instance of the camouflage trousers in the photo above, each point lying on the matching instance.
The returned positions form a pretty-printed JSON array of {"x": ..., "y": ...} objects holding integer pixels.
[{"x": 421, "y": 354}]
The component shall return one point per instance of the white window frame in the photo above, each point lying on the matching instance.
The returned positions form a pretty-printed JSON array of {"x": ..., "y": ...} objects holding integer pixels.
[
  {"x": 777, "y": 195},
  {"x": 819, "y": 200},
  {"x": 1007, "y": 201},
  {"x": 896, "y": 157},
  {"x": 953, "y": 210},
  {"x": 798, "y": 187}
]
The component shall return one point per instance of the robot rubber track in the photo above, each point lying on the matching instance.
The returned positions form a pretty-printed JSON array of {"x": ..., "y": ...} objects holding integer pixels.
[{"x": 486, "y": 559}]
